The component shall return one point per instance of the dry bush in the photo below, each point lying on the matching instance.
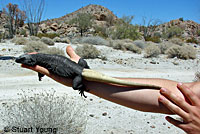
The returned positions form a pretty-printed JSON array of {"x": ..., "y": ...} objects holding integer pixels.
[
  {"x": 65, "y": 40},
  {"x": 118, "y": 44},
  {"x": 20, "y": 41},
  {"x": 53, "y": 50},
  {"x": 133, "y": 48},
  {"x": 47, "y": 41},
  {"x": 182, "y": 52},
  {"x": 34, "y": 46},
  {"x": 197, "y": 76},
  {"x": 57, "y": 114},
  {"x": 57, "y": 39},
  {"x": 140, "y": 43},
  {"x": 94, "y": 40},
  {"x": 164, "y": 46},
  {"x": 34, "y": 38},
  {"x": 177, "y": 41},
  {"x": 151, "y": 51},
  {"x": 88, "y": 51}
]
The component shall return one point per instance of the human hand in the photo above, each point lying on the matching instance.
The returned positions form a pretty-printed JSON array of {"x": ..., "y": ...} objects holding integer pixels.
[
  {"x": 188, "y": 109},
  {"x": 68, "y": 82}
]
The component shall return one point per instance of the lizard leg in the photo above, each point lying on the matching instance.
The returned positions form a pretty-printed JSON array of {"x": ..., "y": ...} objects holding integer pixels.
[{"x": 78, "y": 85}]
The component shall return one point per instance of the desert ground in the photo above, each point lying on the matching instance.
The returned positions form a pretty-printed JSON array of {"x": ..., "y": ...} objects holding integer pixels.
[{"x": 104, "y": 117}]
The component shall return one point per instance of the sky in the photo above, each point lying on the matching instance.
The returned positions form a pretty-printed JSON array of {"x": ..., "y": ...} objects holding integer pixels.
[{"x": 163, "y": 10}]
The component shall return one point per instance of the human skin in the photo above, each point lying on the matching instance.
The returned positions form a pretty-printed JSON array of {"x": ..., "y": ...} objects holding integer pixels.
[
  {"x": 144, "y": 100},
  {"x": 188, "y": 110}
]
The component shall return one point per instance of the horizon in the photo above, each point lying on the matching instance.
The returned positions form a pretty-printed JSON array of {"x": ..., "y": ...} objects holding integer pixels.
[{"x": 163, "y": 10}]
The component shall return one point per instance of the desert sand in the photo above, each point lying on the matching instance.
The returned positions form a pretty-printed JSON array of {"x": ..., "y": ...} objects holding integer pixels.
[{"x": 104, "y": 117}]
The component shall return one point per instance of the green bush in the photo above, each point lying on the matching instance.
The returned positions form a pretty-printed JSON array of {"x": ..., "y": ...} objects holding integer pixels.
[
  {"x": 34, "y": 46},
  {"x": 58, "y": 114},
  {"x": 20, "y": 41},
  {"x": 49, "y": 35},
  {"x": 88, "y": 51},
  {"x": 155, "y": 39},
  {"x": 181, "y": 52},
  {"x": 53, "y": 50},
  {"x": 47, "y": 41},
  {"x": 151, "y": 51},
  {"x": 173, "y": 31},
  {"x": 192, "y": 40},
  {"x": 198, "y": 32}
]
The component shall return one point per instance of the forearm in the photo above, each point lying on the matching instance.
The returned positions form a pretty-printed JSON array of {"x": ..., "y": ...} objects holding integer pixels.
[{"x": 144, "y": 99}]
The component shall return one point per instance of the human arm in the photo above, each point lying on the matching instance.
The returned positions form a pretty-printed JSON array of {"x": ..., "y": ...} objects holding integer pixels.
[
  {"x": 189, "y": 110},
  {"x": 143, "y": 100}
]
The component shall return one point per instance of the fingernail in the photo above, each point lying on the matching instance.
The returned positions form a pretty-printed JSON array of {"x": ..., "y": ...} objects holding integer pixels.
[
  {"x": 161, "y": 98},
  {"x": 162, "y": 90},
  {"x": 180, "y": 84}
]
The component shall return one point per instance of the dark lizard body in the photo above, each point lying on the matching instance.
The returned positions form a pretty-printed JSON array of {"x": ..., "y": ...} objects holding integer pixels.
[{"x": 59, "y": 65}]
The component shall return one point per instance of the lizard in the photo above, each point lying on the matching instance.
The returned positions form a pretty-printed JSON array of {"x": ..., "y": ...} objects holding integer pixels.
[{"x": 64, "y": 67}]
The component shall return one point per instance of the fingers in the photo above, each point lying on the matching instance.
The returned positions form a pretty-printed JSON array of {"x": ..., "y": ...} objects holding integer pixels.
[
  {"x": 37, "y": 68},
  {"x": 172, "y": 107},
  {"x": 175, "y": 99},
  {"x": 175, "y": 122},
  {"x": 74, "y": 57},
  {"x": 44, "y": 71},
  {"x": 193, "y": 98}
]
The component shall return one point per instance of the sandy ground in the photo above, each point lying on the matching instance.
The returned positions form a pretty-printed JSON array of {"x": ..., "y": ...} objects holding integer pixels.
[{"x": 118, "y": 119}]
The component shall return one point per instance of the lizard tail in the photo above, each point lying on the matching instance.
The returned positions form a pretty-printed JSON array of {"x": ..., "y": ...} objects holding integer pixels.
[{"x": 92, "y": 75}]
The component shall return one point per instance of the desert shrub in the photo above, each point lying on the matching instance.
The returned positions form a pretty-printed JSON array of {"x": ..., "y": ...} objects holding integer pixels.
[
  {"x": 58, "y": 114},
  {"x": 177, "y": 41},
  {"x": 125, "y": 30},
  {"x": 118, "y": 44},
  {"x": 155, "y": 39},
  {"x": 187, "y": 52},
  {"x": 23, "y": 32},
  {"x": 65, "y": 40},
  {"x": 198, "y": 32},
  {"x": 151, "y": 51},
  {"x": 101, "y": 31},
  {"x": 20, "y": 41},
  {"x": 49, "y": 35},
  {"x": 47, "y": 41},
  {"x": 95, "y": 40},
  {"x": 173, "y": 51},
  {"x": 173, "y": 31},
  {"x": 181, "y": 52},
  {"x": 57, "y": 39},
  {"x": 197, "y": 76},
  {"x": 192, "y": 40},
  {"x": 53, "y": 50},
  {"x": 34, "y": 38},
  {"x": 140, "y": 43},
  {"x": 164, "y": 46},
  {"x": 88, "y": 51},
  {"x": 133, "y": 48},
  {"x": 34, "y": 46}
]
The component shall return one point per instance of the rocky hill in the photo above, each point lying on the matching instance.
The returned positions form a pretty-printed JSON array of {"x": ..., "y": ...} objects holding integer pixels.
[
  {"x": 103, "y": 17},
  {"x": 189, "y": 28},
  {"x": 99, "y": 12}
]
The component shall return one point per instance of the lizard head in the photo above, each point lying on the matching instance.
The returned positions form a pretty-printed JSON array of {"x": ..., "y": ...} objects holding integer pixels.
[{"x": 27, "y": 59}]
